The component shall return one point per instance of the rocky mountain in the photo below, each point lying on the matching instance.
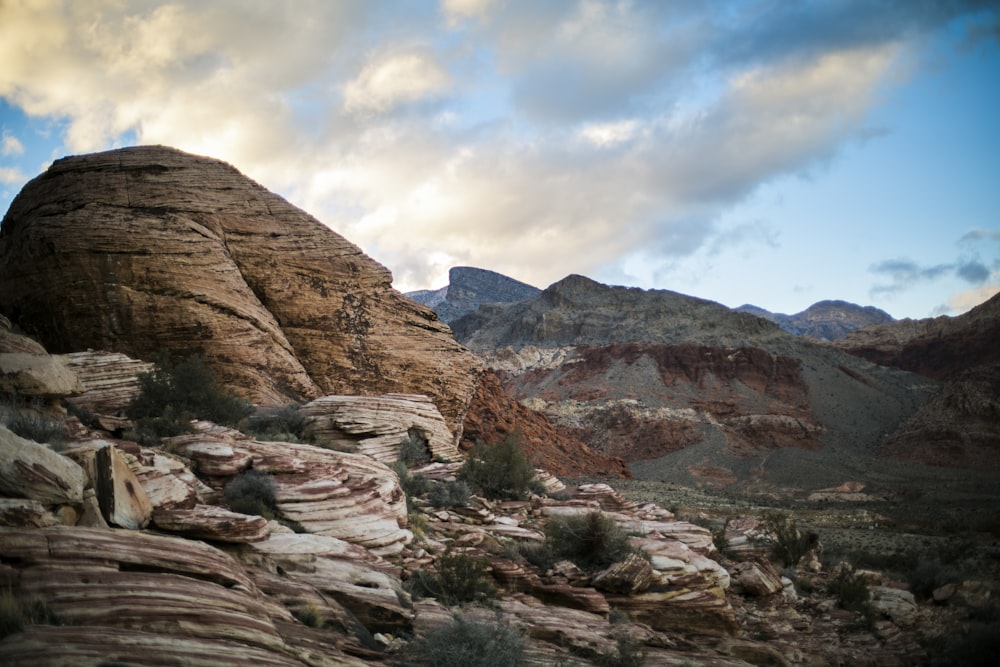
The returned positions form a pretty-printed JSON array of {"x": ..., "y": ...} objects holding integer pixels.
[
  {"x": 468, "y": 288},
  {"x": 217, "y": 547},
  {"x": 960, "y": 425},
  {"x": 827, "y": 320},
  {"x": 688, "y": 390},
  {"x": 141, "y": 249}
]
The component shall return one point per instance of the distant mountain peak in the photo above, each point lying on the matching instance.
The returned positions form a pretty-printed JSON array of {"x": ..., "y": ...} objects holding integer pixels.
[
  {"x": 830, "y": 319},
  {"x": 469, "y": 287}
]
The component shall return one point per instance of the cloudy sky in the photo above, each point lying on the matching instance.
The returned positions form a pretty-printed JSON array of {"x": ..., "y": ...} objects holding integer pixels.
[{"x": 768, "y": 152}]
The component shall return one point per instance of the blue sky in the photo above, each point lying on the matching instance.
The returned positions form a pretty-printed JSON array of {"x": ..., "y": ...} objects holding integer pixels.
[{"x": 765, "y": 152}]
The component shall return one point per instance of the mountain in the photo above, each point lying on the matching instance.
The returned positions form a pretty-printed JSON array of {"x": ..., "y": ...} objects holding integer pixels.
[
  {"x": 148, "y": 248},
  {"x": 827, "y": 320},
  {"x": 689, "y": 390},
  {"x": 468, "y": 288},
  {"x": 960, "y": 424}
]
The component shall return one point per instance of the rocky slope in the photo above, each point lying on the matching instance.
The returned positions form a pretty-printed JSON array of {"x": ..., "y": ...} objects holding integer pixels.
[
  {"x": 960, "y": 425},
  {"x": 826, "y": 320},
  {"x": 115, "y": 553},
  {"x": 688, "y": 390},
  {"x": 139, "y": 249},
  {"x": 468, "y": 288}
]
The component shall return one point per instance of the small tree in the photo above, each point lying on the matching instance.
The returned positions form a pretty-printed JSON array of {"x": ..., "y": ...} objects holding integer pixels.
[
  {"x": 500, "y": 471},
  {"x": 788, "y": 543}
]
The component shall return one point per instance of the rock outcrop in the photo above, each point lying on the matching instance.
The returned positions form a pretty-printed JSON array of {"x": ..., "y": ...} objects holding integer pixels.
[{"x": 139, "y": 249}]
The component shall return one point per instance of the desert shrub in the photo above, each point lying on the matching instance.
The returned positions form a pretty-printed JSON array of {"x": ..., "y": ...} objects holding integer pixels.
[
  {"x": 852, "y": 594},
  {"x": 40, "y": 429},
  {"x": 539, "y": 554},
  {"x": 975, "y": 646},
  {"x": 465, "y": 643},
  {"x": 449, "y": 494},
  {"x": 286, "y": 424},
  {"x": 788, "y": 543},
  {"x": 500, "y": 471},
  {"x": 459, "y": 579},
  {"x": 171, "y": 395},
  {"x": 929, "y": 575},
  {"x": 413, "y": 485},
  {"x": 252, "y": 492},
  {"x": 592, "y": 541},
  {"x": 414, "y": 449},
  {"x": 310, "y": 615},
  {"x": 629, "y": 654},
  {"x": 16, "y": 613}
]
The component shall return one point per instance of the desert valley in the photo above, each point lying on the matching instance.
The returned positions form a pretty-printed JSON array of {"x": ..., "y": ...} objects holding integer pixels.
[{"x": 225, "y": 439}]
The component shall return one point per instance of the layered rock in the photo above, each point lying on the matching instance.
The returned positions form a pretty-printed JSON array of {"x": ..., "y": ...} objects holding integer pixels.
[
  {"x": 139, "y": 249},
  {"x": 110, "y": 380},
  {"x": 380, "y": 426},
  {"x": 338, "y": 494}
]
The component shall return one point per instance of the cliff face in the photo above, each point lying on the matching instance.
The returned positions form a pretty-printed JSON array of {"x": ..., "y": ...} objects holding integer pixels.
[{"x": 139, "y": 249}]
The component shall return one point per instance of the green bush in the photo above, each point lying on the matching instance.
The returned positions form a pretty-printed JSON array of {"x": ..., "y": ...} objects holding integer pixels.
[
  {"x": 413, "y": 485},
  {"x": 629, "y": 654},
  {"x": 40, "y": 429},
  {"x": 500, "y": 471},
  {"x": 465, "y": 643},
  {"x": 852, "y": 594},
  {"x": 449, "y": 494},
  {"x": 927, "y": 576},
  {"x": 459, "y": 579},
  {"x": 16, "y": 613},
  {"x": 592, "y": 541},
  {"x": 172, "y": 395},
  {"x": 252, "y": 492},
  {"x": 788, "y": 543},
  {"x": 539, "y": 554},
  {"x": 414, "y": 450},
  {"x": 286, "y": 424}
]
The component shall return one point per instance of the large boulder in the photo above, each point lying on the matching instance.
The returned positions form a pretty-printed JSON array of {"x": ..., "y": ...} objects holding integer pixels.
[
  {"x": 33, "y": 471},
  {"x": 138, "y": 249}
]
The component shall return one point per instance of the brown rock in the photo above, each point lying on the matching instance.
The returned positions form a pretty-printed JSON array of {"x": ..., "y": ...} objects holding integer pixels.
[
  {"x": 138, "y": 249},
  {"x": 122, "y": 499},
  {"x": 13, "y": 342},
  {"x": 630, "y": 576},
  {"x": 24, "y": 512},
  {"x": 494, "y": 414},
  {"x": 207, "y": 522},
  {"x": 31, "y": 470},
  {"x": 757, "y": 577}
]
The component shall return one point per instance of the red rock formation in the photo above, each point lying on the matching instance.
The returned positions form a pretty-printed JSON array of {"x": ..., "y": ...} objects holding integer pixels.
[
  {"x": 493, "y": 414},
  {"x": 139, "y": 249}
]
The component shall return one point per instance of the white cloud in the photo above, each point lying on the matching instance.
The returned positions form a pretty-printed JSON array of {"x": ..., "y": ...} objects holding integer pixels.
[
  {"x": 10, "y": 145},
  {"x": 12, "y": 176},
  {"x": 606, "y": 135},
  {"x": 961, "y": 302},
  {"x": 395, "y": 79}
]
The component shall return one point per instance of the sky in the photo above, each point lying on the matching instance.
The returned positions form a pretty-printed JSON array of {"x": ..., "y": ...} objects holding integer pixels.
[{"x": 769, "y": 152}]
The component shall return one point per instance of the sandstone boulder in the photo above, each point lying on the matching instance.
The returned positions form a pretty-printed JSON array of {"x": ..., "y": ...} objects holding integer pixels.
[
  {"x": 123, "y": 501},
  {"x": 138, "y": 249},
  {"x": 14, "y": 342},
  {"x": 380, "y": 425},
  {"x": 339, "y": 494},
  {"x": 757, "y": 577},
  {"x": 215, "y": 524},
  {"x": 30, "y": 470},
  {"x": 110, "y": 380},
  {"x": 37, "y": 375}
]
